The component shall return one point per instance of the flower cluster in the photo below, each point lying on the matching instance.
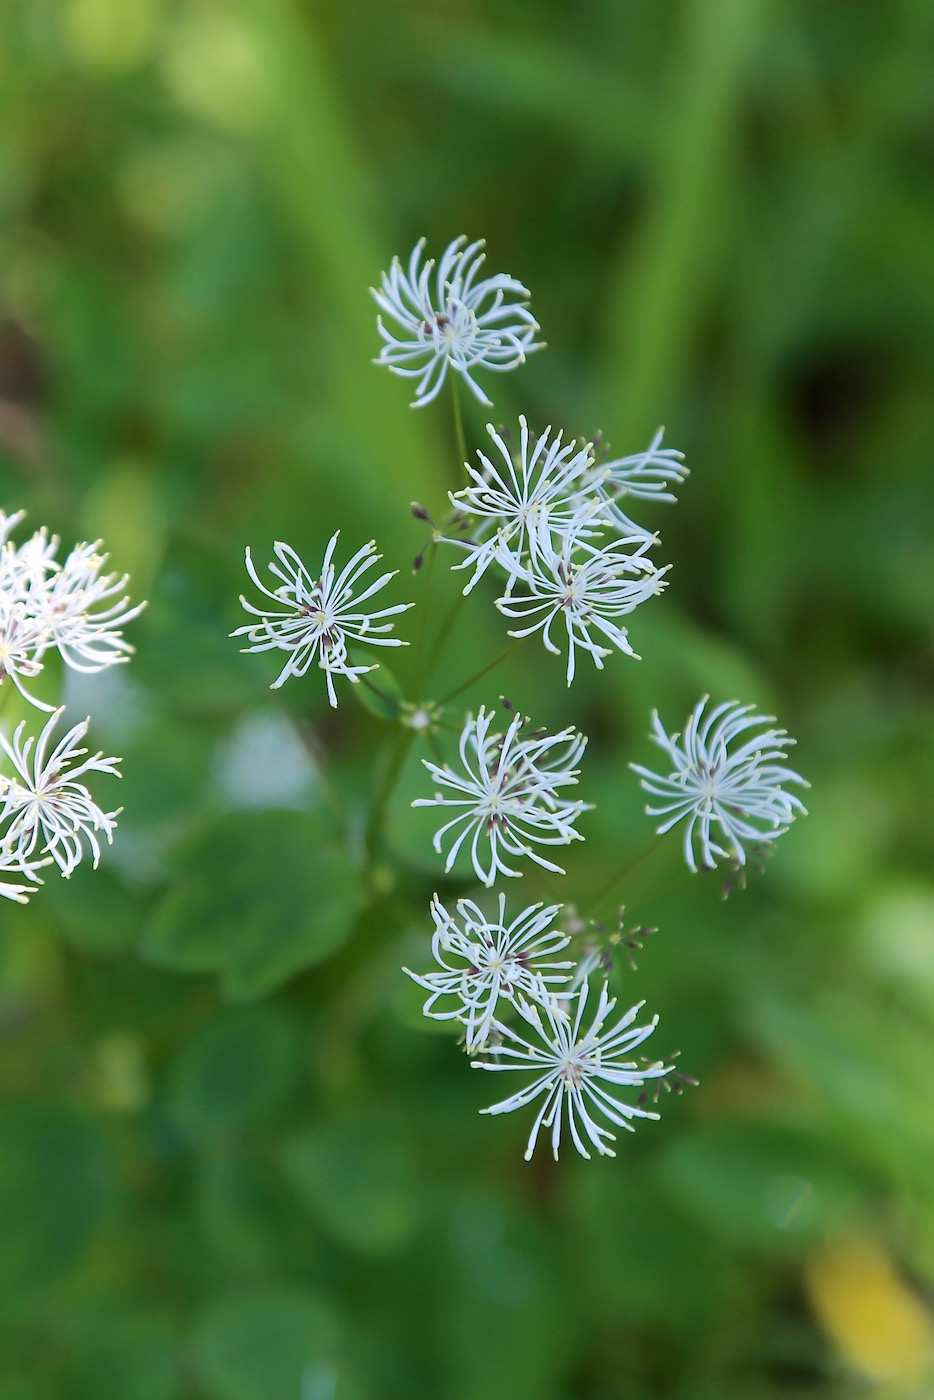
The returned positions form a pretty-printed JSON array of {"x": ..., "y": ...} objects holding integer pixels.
[
  {"x": 491, "y": 967},
  {"x": 554, "y": 518},
  {"x": 47, "y": 813},
  {"x": 547, "y": 515},
  {"x": 72, "y": 607}
]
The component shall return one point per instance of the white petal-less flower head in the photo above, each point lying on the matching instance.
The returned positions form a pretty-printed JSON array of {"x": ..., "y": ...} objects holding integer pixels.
[
  {"x": 50, "y": 807},
  {"x": 315, "y": 618},
  {"x": 507, "y": 795},
  {"x": 727, "y": 774},
  {"x": 452, "y": 319},
  {"x": 484, "y": 961},
  {"x": 545, "y": 489},
  {"x": 584, "y": 588},
  {"x": 66, "y": 605},
  {"x": 44, "y": 604},
  {"x": 571, "y": 1066}
]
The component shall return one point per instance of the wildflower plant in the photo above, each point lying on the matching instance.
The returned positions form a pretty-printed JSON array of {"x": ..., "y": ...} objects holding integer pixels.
[
  {"x": 548, "y": 524},
  {"x": 48, "y": 814}
]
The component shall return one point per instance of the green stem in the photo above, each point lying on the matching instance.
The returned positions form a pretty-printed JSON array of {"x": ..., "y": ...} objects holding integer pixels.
[
  {"x": 458, "y": 432},
  {"x": 604, "y": 894},
  {"x": 422, "y": 614},
  {"x": 380, "y": 694},
  {"x": 444, "y": 633},
  {"x": 484, "y": 670},
  {"x": 377, "y": 818}
]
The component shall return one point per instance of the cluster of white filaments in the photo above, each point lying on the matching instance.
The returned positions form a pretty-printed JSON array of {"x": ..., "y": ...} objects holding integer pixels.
[
  {"x": 485, "y": 961},
  {"x": 571, "y": 1066},
  {"x": 50, "y": 811},
  {"x": 47, "y": 813},
  {"x": 548, "y": 515},
  {"x": 491, "y": 967},
  {"x": 451, "y": 318},
  {"x": 727, "y": 773},
  {"x": 72, "y": 607},
  {"x": 551, "y": 517},
  {"x": 507, "y": 795},
  {"x": 316, "y": 618}
]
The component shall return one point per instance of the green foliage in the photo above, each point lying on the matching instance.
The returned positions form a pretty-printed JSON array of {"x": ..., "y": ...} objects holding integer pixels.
[
  {"x": 236, "y": 1163},
  {"x": 56, "y": 1187},
  {"x": 250, "y": 1348},
  {"x": 233, "y": 1074},
  {"x": 358, "y": 1178},
  {"x": 255, "y": 900}
]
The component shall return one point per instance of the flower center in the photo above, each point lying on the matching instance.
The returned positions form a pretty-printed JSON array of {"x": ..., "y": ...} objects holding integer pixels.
[{"x": 573, "y": 1069}]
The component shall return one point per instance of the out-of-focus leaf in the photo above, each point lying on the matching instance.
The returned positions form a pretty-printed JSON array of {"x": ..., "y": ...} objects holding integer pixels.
[
  {"x": 507, "y": 1321},
  {"x": 651, "y": 1262},
  {"x": 358, "y": 1179},
  {"x": 256, "y": 900},
  {"x": 97, "y": 912},
  {"x": 236, "y": 1072},
  {"x": 254, "y": 1348},
  {"x": 184, "y": 652},
  {"x": 246, "y": 1217},
  {"x": 125, "y": 508},
  {"x": 764, "y": 1187},
  {"x": 56, "y": 1192},
  {"x": 129, "y": 1359}
]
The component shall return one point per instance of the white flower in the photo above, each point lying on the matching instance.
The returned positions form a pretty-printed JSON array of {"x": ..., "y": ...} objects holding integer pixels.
[
  {"x": 547, "y": 488},
  {"x": 22, "y": 639},
  {"x": 508, "y": 795},
  {"x": 740, "y": 791},
  {"x": 483, "y": 960},
  {"x": 64, "y": 605},
  {"x": 46, "y": 800},
  {"x": 44, "y": 604},
  {"x": 571, "y": 1067},
  {"x": 645, "y": 476},
  {"x": 317, "y": 617},
  {"x": 461, "y": 322},
  {"x": 586, "y": 587}
]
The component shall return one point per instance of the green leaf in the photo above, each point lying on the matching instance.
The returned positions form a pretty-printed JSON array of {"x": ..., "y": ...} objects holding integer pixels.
[
  {"x": 761, "y": 1186},
  {"x": 247, "y": 1218},
  {"x": 236, "y": 1072},
  {"x": 378, "y": 691},
  {"x": 56, "y": 1185},
  {"x": 257, "y": 1348},
  {"x": 357, "y": 1179},
  {"x": 129, "y": 1359},
  {"x": 256, "y": 900},
  {"x": 98, "y": 914}
]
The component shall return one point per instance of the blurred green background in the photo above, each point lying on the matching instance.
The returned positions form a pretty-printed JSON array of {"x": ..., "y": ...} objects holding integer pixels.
[{"x": 233, "y": 1164}]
